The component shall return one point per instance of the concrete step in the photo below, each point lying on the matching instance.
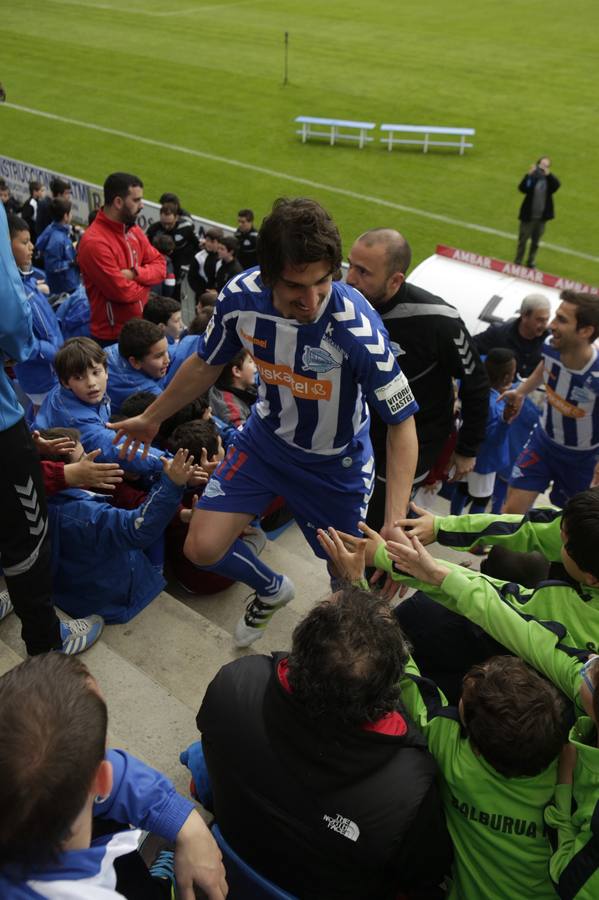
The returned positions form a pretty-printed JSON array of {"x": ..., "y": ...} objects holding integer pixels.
[{"x": 144, "y": 717}]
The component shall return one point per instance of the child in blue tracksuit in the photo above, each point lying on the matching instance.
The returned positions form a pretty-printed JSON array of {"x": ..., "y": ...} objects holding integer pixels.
[
  {"x": 80, "y": 401},
  {"x": 55, "y": 244},
  {"x": 63, "y": 841},
  {"x": 138, "y": 362},
  {"x": 36, "y": 374},
  {"x": 98, "y": 558},
  {"x": 493, "y": 454}
]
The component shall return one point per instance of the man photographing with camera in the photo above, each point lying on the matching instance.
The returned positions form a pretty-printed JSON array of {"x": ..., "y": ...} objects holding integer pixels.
[{"x": 538, "y": 185}]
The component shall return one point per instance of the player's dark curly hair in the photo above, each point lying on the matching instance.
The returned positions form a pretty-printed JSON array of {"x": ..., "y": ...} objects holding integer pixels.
[
  {"x": 297, "y": 232},
  {"x": 348, "y": 655}
]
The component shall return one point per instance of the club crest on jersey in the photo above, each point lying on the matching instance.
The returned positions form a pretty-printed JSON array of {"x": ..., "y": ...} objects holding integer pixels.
[
  {"x": 315, "y": 359},
  {"x": 214, "y": 489},
  {"x": 582, "y": 395}
]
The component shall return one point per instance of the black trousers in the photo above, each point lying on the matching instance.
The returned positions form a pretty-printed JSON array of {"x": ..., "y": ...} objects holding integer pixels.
[
  {"x": 133, "y": 879},
  {"x": 24, "y": 539},
  {"x": 445, "y": 645}
]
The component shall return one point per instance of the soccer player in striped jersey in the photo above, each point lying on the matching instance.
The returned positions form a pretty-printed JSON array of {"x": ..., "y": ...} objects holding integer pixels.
[
  {"x": 323, "y": 358},
  {"x": 564, "y": 447}
]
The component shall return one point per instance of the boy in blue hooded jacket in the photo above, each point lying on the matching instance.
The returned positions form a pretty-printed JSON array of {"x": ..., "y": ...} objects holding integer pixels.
[{"x": 36, "y": 374}]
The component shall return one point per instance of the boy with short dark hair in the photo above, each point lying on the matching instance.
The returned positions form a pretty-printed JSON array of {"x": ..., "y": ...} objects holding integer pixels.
[
  {"x": 228, "y": 265},
  {"x": 138, "y": 362},
  {"x": 165, "y": 245},
  {"x": 80, "y": 401},
  {"x": 182, "y": 231},
  {"x": 202, "y": 269},
  {"x": 166, "y": 313},
  {"x": 53, "y": 704},
  {"x": 247, "y": 238},
  {"x": 55, "y": 244},
  {"x": 493, "y": 454},
  {"x": 29, "y": 208},
  {"x": 234, "y": 393},
  {"x": 59, "y": 188}
]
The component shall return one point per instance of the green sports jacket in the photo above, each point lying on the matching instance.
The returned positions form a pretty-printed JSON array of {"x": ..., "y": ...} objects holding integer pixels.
[
  {"x": 574, "y": 811},
  {"x": 574, "y": 608},
  {"x": 496, "y": 823}
]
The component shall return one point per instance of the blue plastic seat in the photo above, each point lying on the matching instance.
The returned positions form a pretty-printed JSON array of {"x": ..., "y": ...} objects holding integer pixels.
[{"x": 244, "y": 882}]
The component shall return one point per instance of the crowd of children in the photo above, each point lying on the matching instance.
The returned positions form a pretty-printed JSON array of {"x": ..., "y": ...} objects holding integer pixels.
[{"x": 518, "y": 752}]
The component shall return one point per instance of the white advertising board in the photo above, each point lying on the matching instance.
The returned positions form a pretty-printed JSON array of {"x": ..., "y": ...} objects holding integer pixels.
[{"x": 485, "y": 289}]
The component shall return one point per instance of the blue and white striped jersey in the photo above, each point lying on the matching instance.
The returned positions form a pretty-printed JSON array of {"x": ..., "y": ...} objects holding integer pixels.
[
  {"x": 315, "y": 378},
  {"x": 571, "y": 414}
]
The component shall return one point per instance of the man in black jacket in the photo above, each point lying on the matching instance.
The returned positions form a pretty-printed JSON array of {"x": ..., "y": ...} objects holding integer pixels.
[
  {"x": 433, "y": 347},
  {"x": 524, "y": 335},
  {"x": 320, "y": 780},
  {"x": 539, "y": 185}
]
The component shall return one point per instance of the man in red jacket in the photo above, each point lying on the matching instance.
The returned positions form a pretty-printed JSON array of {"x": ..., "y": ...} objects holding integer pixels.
[{"x": 118, "y": 263}]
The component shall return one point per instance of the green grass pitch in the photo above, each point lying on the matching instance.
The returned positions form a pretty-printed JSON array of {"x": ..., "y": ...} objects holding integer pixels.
[{"x": 208, "y": 76}]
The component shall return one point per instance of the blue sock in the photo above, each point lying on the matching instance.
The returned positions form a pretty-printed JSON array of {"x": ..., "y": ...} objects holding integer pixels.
[{"x": 240, "y": 564}]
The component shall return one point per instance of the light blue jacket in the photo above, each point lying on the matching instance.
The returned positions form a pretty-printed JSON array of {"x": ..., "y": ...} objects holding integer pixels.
[
  {"x": 62, "y": 408},
  {"x": 98, "y": 563},
  {"x": 60, "y": 267},
  {"x": 16, "y": 333},
  {"x": 36, "y": 375},
  {"x": 124, "y": 380}
]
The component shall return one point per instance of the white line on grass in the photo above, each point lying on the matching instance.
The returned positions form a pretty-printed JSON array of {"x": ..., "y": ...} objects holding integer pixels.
[
  {"x": 296, "y": 179},
  {"x": 189, "y": 11}
]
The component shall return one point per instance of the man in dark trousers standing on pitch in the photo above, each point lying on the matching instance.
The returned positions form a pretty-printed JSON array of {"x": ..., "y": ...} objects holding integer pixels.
[{"x": 539, "y": 185}]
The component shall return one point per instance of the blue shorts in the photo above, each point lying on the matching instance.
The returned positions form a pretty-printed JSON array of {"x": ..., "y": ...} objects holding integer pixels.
[
  {"x": 320, "y": 491},
  {"x": 542, "y": 461}
]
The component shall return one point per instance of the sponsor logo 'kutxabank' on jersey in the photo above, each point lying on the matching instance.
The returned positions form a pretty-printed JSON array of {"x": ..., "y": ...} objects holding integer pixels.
[{"x": 317, "y": 378}]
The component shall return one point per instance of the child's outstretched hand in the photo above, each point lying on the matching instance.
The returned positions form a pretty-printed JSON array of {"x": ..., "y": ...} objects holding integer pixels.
[
  {"x": 417, "y": 561},
  {"x": 179, "y": 468},
  {"x": 423, "y": 527},
  {"x": 87, "y": 473},
  {"x": 53, "y": 448},
  {"x": 345, "y": 551},
  {"x": 208, "y": 465},
  {"x": 199, "y": 477}
]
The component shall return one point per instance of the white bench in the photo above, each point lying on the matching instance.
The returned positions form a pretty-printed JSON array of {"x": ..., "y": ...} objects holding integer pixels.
[
  {"x": 333, "y": 133},
  {"x": 425, "y": 140}
]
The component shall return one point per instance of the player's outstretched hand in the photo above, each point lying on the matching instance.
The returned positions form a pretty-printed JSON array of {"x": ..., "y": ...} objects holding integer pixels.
[
  {"x": 513, "y": 404},
  {"x": 86, "y": 473},
  {"x": 423, "y": 527},
  {"x": 180, "y": 468},
  {"x": 417, "y": 561},
  {"x": 346, "y": 552},
  {"x": 136, "y": 432}
]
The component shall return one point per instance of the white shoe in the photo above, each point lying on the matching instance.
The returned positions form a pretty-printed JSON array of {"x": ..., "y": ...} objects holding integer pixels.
[
  {"x": 260, "y": 611},
  {"x": 6, "y": 606},
  {"x": 78, "y": 635}
]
